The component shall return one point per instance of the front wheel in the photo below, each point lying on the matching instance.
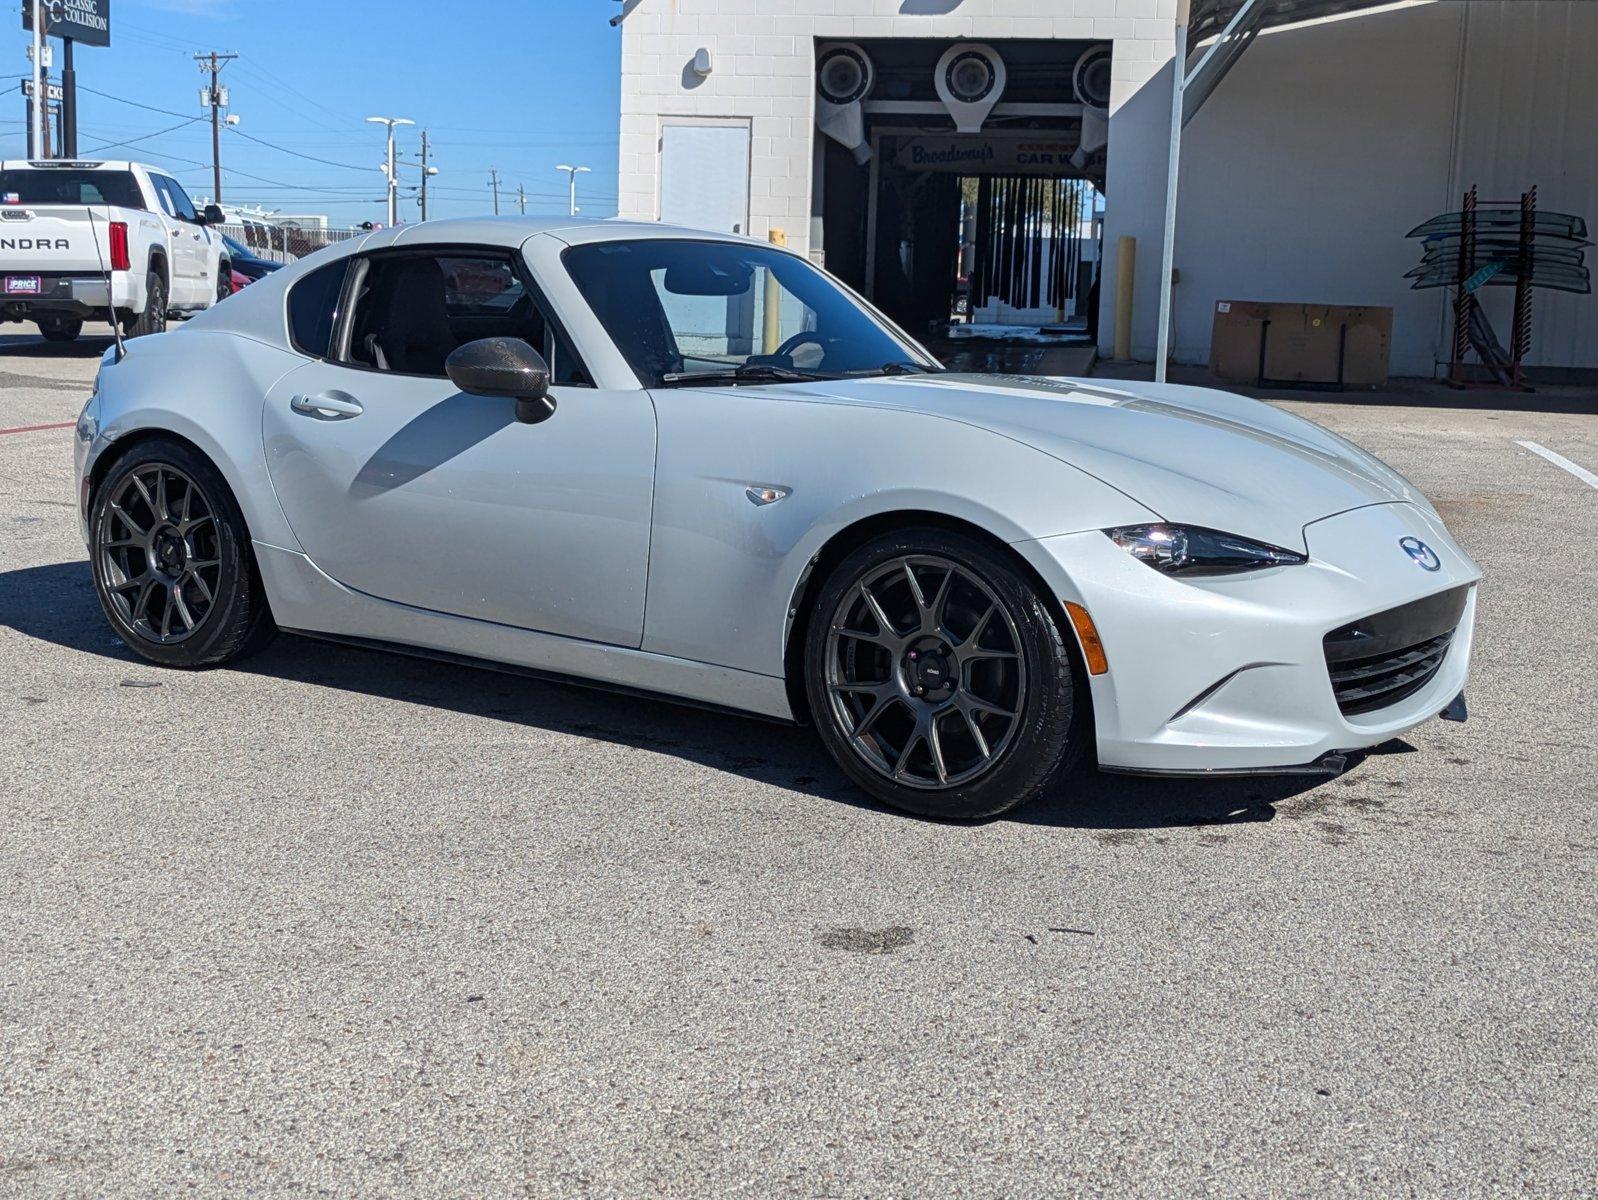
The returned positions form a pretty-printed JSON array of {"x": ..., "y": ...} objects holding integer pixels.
[
  {"x": 938, "y": 677},
  {"x": 171, "y": 559},
  {"x": 224, "y": 283}
]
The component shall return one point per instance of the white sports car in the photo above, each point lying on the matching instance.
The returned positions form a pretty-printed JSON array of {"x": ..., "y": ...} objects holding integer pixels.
[{"x": 661, "y": 460}]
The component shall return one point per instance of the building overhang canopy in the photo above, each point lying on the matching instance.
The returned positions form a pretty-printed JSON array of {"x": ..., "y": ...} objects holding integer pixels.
[{"x": 1231, "y": 27}]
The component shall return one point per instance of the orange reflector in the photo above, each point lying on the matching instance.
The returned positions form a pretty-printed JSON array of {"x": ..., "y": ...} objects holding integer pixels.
[{"x": 1092, "y": 648}]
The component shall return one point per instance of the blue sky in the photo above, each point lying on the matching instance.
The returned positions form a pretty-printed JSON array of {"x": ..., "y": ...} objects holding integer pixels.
[{"x": 518, "y": 85}]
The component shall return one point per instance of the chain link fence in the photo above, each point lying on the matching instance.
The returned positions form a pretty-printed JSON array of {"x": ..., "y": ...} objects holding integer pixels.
[{"x": 285, "y": 243}]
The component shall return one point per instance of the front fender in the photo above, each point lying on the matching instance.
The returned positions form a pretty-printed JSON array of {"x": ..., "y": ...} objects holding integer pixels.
[{"x": 723, "y": 569}]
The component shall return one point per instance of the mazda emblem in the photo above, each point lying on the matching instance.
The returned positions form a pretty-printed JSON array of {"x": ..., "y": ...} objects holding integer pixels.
[{"x": 1424, "y": 556}]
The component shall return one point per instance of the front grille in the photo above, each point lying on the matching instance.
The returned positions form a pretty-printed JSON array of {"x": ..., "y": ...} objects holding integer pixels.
[{"x": 1379, "y": 660}]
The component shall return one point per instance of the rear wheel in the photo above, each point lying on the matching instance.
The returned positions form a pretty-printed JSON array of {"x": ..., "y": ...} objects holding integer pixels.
[
  {"x": 938, "y": 677},
  {"x": 171, "y": 559},
  {"x": 60, "y": 329},
  {"x": 153, "y": 318}
]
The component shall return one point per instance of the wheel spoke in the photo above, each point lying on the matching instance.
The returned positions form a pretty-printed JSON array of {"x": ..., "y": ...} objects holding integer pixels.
[
  {"x": 914, "y": 740},
  {"x": 864, "y": 725},
  {"x": 122, "y": 515},
  {"x": 935, "y": 745},
  {"x": 940, "y": 602},
  {"x": 976, "y": 732},
  {"x": 141, "y": 608},
  {"x": 166, "y": 616},
  {"x": 161, "y": 497},
  {"x": 890, "y": 635},
  {"x": 861, "y": 635},
  {"x": 915, "y": 586},
  {"x": 970, "y": 701},
  {"x": 149, "y": 500},
  {"x": 204, "y": 587},
  {"x": 175, "y": 600},
  {"x": 188, "y": 527},
  {"x": 131, "y": 582}
]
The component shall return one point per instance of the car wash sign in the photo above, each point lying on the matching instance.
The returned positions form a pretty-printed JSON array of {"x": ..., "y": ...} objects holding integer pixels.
[
  {"x": 989, "y": 154},
  {"x": 87, "y": 22}
]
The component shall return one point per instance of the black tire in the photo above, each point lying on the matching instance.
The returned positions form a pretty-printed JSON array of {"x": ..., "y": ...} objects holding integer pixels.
[
  {"x": 224, "y": 282},
  {"x": 153, "y": 318},
  {"x": 1014, "y": 757},
  {"x": 209, "y": 581},
  {"x": 60, "y": 329}
]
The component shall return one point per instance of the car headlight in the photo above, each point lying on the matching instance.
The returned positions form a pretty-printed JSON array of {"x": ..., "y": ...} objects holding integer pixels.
[{"x": 1190, "y": 550}]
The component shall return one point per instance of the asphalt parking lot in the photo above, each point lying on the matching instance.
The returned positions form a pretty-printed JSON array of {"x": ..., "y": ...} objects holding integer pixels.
[{"x": 342, "y": 923}]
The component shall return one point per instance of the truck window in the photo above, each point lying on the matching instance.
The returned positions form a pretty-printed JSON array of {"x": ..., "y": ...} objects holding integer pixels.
[
  {"x": 70, "y": 185},
  {"x": 182, "y": 206}
]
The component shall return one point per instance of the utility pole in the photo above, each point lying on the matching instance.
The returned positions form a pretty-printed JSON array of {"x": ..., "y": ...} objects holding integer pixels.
[
  {"x": 571, "y": 190},
  {"x": 521, "y": 199},
  {"x": 493, "y": 182},
  {"x": 426, "y": 171},
  {"x": 213, "y": 97},
  {"x": 387, "y": 167}
]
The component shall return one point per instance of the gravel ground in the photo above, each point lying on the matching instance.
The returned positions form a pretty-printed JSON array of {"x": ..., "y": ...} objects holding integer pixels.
[{"x": 341, "y": 923}]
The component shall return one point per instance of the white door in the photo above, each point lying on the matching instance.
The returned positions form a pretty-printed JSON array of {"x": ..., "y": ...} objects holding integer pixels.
[{"x": 704, "y": 177}]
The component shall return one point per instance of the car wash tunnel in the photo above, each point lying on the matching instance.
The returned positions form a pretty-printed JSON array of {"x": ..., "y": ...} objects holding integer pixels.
[{"x": 961, "y": 184}]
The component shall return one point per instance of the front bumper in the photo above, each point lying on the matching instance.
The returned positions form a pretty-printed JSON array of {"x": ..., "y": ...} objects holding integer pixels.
[{"x": 1229, "y": 673}]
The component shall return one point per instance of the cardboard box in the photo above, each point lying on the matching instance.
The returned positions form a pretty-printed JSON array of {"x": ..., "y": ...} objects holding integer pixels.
[{"x": 1261, "y": 343}]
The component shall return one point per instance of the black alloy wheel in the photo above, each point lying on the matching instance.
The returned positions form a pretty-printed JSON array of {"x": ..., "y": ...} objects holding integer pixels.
[
  {"x": 171, "y": 559},
  {"x": 937, "y": 677}
]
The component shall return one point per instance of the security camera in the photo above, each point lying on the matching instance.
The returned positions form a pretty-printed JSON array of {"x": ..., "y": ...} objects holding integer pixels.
[{"x": 969, "y": 78}]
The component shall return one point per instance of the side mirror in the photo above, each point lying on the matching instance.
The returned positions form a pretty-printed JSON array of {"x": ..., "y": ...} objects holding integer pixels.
[
  {"x": 504, "y": 366},
  {"x": 212, "y": 215}
]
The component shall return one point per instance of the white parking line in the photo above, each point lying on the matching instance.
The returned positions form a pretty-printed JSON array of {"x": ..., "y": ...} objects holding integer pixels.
[{"x": 1563, "y": 463}]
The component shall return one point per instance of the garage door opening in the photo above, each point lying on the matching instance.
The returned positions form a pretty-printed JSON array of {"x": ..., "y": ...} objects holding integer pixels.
[{"x": 960, "y": 186}]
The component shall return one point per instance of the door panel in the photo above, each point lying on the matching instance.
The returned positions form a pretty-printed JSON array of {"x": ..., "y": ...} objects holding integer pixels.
[{"x": 406, "y": 489}]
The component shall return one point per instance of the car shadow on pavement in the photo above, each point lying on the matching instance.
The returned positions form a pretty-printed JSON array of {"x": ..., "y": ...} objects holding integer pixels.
[
  {"x": 88, "y": 346},
  {"x": 57, "y": 604}
]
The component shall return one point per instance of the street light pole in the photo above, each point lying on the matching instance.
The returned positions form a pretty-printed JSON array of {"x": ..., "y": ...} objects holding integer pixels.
[
  {"x": 388, "y": 168},
  {"x": 571, "y": 186},
  {"x": 40, "y": 103}
]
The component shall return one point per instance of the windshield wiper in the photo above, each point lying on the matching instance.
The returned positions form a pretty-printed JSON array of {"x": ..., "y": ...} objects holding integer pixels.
[
  {"x": 747, "y": 373},
  {"x": 899, "y": 367}
]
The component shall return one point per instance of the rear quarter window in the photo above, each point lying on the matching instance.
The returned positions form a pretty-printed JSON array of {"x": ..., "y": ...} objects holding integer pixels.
[{"x": 313, "y": 308}]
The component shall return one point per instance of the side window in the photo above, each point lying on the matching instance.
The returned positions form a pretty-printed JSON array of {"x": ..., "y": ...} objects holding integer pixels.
[
  {"x": 163, "y": 197},
  {"x": 411, "y": 310},
  {"x": 182, "y": 206},
  {"x": 313, "y": 309}
]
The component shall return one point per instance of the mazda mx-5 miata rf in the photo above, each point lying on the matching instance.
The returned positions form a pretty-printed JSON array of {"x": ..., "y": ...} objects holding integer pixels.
[{"x": 697, "y": 466}]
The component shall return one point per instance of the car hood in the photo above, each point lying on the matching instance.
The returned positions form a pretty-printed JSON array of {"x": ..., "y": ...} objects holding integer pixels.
[{"x": 1192, "y": 455}]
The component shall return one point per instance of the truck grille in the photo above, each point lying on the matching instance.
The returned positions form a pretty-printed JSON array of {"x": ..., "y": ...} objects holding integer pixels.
[{"x": 1379, "y": 660}]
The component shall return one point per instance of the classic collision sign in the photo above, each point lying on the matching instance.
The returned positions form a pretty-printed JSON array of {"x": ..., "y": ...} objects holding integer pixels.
[
  {"x": 1015, "y": 154},
  {"x": 84, "y": 21}
]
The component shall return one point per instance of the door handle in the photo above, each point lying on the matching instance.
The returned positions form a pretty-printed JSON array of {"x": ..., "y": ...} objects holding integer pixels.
[{"x": 327, "y": 406}]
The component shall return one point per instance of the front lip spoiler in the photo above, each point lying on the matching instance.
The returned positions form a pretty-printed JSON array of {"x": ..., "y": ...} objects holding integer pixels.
[{"x": 1333, "y": 762}]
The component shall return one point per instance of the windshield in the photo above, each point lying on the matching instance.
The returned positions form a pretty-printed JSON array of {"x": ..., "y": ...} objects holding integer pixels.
[
  {"x": 237, "y": 248},
  {"x": 691, "y": 311},
  {"x": 69, "y": 185}
]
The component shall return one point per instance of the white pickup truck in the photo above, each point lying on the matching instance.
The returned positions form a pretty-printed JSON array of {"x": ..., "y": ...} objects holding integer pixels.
[{"x": 79, "y": 239}]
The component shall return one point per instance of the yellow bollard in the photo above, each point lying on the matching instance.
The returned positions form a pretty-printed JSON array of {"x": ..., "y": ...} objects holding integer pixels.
[
  {"x": 1125, "y": 269},
  {"x": 773, "y": 324}
]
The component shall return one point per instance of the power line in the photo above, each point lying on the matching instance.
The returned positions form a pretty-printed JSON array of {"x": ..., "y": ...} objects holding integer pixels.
[
  {"x": 297, "y": 154},
  {"x": 123, "y": 100},
  {"x": 144, "y": 137}
]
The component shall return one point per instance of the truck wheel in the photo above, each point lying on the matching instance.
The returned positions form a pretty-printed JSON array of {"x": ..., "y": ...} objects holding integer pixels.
[
  {"x": 153, "y": 318},
  {"x": 60, "y": 329},
  {"x": 224, "y": 282}
]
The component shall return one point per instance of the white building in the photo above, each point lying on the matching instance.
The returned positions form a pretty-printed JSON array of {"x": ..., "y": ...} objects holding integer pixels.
[{"x": 1327, "y": 141}]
